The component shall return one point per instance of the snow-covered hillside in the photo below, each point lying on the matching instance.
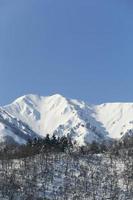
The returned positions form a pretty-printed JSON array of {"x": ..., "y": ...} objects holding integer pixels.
[
  {"x": 81, "y": 121},
  {"x": 14, "y": 130}
]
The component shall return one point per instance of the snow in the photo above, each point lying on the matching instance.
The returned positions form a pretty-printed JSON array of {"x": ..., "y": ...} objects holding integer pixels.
[
  {"x": 115, "y": 117},
  {"x": 13, "y": 129},
  {"x": 6, "y": 133},
  {"x": 82, "y": 121}
]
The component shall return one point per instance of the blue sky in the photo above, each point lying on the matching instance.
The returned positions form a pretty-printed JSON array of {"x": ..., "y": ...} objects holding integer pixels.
[{"x": 80, "y": 49}]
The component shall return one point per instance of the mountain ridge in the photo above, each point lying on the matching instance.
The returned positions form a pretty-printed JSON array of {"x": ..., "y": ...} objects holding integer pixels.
[{"x": 83, "y": 122}]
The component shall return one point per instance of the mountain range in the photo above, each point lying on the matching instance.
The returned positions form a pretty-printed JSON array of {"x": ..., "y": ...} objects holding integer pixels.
[{"x": 33, "y": 116}]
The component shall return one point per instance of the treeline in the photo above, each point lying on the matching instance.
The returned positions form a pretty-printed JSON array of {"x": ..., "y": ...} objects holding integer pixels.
[
  {"x": 65, "y": 144},
  {"x": 36, "y": 146},
  {"x": 52, "y": 144}
]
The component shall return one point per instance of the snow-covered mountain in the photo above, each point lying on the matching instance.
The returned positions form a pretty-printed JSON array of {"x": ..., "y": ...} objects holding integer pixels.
[{"x": 84, "y": 123}]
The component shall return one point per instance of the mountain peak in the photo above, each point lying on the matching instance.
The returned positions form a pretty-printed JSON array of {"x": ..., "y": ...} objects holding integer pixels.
[
  {"x": 56, "y": 95},
  {"x": 61, "y": 116},
  {"x": 28, "y": 97},
  {"x": 37, "y": 98}
]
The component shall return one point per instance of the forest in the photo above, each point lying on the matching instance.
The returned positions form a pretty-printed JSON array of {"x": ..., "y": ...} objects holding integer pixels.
[{"x": 56, "y": 169}]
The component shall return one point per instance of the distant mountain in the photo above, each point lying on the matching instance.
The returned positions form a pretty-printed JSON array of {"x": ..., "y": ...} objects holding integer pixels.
[{"x": 33, "y": 115}]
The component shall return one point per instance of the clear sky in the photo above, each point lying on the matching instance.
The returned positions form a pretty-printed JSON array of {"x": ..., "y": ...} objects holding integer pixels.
[{"x": 79, "y": 48}]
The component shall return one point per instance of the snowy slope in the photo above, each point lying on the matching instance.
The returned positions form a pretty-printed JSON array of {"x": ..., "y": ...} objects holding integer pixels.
[
  {"x": 83, "y": 122},
  {"x": 13, "y": 130},
  {"x": 117, "y": 118}
]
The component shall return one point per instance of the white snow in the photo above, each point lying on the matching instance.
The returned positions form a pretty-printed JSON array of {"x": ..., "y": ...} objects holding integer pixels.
[
  {"x": 117, "y": 118},
  {"x": 83, "y": 122},
  {"x": 5, "y": 132}
]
